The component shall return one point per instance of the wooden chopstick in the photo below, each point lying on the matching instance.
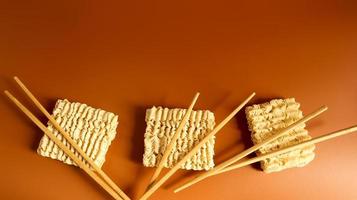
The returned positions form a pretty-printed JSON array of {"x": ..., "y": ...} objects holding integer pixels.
[
  {"x": 194, "y": 150},
  {"x": 70, "y": 140},
  {"x": 253, "y": 148},
  {"x": 173, "y": 140},
  {"x": 79, "y": 162},
  {"x": 315, "y": 140},
  {"x": 281, "y": 151}
]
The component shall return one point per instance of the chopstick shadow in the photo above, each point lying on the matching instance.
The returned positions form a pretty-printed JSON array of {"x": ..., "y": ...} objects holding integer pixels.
[
  {"x": 137, "y": 139},
  {"x": 220, "y": 99},
  {"x": 49, "y": 104},
  {"x": 141, "y": 181},
  {"x": 245, "y": 135},
  {"x": 175, "y": 181},
  {"x": 87, "y": 180},
  {"x": 313, "y": 125},
  {"x": 137, "y": 152}
]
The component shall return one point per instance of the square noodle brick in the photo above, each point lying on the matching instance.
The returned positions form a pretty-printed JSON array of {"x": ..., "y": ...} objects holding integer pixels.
[
  {"x": 161, "y": 126},
  {"x": 92, "y": 129}
]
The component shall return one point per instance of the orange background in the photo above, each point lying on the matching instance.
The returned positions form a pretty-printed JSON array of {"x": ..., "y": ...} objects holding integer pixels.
[{"x": 125, "y": 56}]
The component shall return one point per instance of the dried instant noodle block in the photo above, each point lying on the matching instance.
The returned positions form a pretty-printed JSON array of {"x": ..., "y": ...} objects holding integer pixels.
[
  {"x": 161, "y": 126},
  {"x": 92, "y": 129},
  {"x": 267, "y": 118}
]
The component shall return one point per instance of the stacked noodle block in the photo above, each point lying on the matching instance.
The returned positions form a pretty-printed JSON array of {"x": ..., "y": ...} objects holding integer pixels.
[
  {"x": 161, "y": 126},
  {"x": 92, "y": 129},
  {"x": 267, "y": 118}
]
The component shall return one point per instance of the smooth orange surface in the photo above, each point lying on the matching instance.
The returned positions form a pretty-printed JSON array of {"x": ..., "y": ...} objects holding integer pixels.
[{"x": 125, "y": 56}]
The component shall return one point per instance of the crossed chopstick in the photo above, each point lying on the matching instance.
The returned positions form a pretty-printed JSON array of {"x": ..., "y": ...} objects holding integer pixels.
[
  {"x": 107, "y": 184},
  {"x": 229, "y": 164},
  {"x": 103, "y": 179},
  {"x": 156, "y": 184},
  {"x": 270, "y": 155}
]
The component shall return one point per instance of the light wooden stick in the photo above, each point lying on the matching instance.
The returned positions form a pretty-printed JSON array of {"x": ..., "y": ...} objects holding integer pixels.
[
  {"x": 316, "y": 140},
  {"x": 173, "y": 140},
  {"x": 80, "y": 163},
  {"x": 250, "y": 150},
  {"x": 70, "y": 140},
  {"x": 281, "y": 151},
  {"x": 156, "y": 185}
]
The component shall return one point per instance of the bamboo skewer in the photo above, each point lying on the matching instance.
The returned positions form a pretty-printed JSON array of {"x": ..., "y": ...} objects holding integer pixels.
[
  {"x": 281, "y": 151},
  {"x": 156, "y": 185},
  {"x": 71, "y": 141},
  {"x": 252, "y": 149},
  {"x": 79, "y": 162},
  {"x": 173, "y": 140}
]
